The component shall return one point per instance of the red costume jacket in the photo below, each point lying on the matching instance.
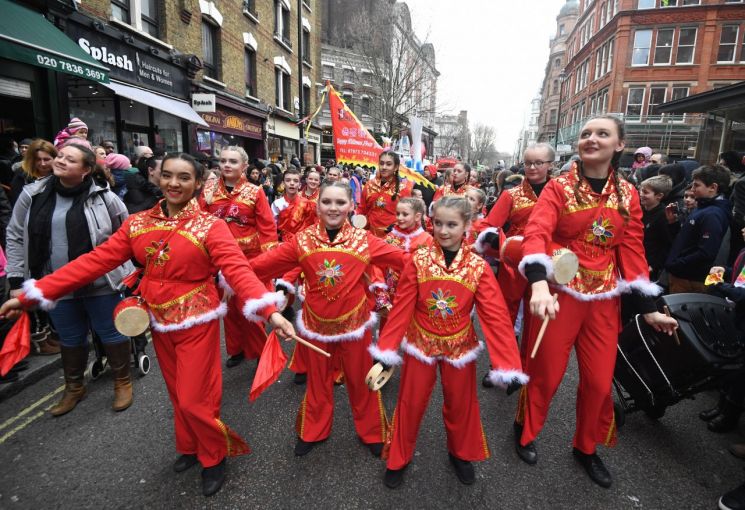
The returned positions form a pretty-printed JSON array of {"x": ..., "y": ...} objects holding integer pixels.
[
  {"x": 409, "y": 241},
  {"x": 377, "y": 203},
  {"x": 247, "y": 212},
  {"x": 335, "y": 305},
  {"x": 178, "y": 282},
  {"x": 609, "y": 245},
  {"x": 294, "y": 215},
  {"x": 431, "y": 317},
  {"x": 514, "y": 207},
  {"x": 447, "y": 190}
]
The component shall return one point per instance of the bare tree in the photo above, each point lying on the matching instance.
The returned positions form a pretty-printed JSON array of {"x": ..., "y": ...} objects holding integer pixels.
[
  {"x": 483, "y": 150},
  {"x": 453, "y": 139},
  {"x": 402, "y": 73}
]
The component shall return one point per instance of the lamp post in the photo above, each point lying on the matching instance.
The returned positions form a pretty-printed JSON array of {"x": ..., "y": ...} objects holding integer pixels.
[{"x": 562, "y": 77}]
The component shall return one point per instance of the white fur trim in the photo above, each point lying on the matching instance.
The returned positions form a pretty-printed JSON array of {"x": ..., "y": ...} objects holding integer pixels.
[
  {"x": 537, "y": 258},
  {"x": 223, "y": 284},
  {"x": 644, "y": 287},
  {"x": 290, "y": 286},
  {"x": 301, "y": 292},
  {"x": 355, "y": 334},
  {"x": 479, "y": 244},
  {"x": 388, "y": 356},
  {"x": 218, "y": 312},
  {"x": 377, "y": 285},
  {"x": 407, "y": 237},
  {"x": 252, "y": 306},
  {"x": 503, "y": 378},
  {"x": 33, "y": 292},
  {"x": 461, "y": 362}
]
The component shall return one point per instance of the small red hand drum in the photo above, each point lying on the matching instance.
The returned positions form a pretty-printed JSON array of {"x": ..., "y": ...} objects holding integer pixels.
[
  {"x": 511, "y": 251},
  {"x": 564, "y": 261},
  {"x": 131, "y": 317}
]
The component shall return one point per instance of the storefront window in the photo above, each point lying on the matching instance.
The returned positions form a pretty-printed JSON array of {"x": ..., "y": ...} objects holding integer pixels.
[
  {"x": 168, "y": 135},
  {"x": 309, "y": 156},
  {"x": 212, "y": 143},
  {"x": 94, "y": 105},
  {"x": 289, "y": 147},
  {"x": 134, "y": 112},
  {"x": 274, "y": 148}
]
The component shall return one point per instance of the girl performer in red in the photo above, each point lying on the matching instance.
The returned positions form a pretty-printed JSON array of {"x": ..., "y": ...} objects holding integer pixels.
[
  {"x": 380, "y": 194},
  {"x": 597, "y": 215},
  {"x": 292, "y": 212},
  {"x": 312, "y": 184},
  {"x": 437, "y": 291},
  {"x": 336, "y": 314},
  {"x": 246, "y": 210},
  {"x": 461, "y": 174},
  {"x": 179, "y": 246}
]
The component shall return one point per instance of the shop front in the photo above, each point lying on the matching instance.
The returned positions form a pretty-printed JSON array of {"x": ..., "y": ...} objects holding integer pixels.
[
  {"x": 236, "y": 125},
  {"x": 281, "y": 139},
  {"x": 145, "y": 102},
  {"x": 312, "y": 149}
]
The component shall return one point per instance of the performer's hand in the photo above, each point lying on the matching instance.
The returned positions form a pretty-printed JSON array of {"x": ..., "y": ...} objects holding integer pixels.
[
  {"x": 671, "y": 212},
  {"x": 16, "y": 292},
  {"x": 282, "y": 326},
  {"x": 11, "y": 309},
  {"x": 542, "y": 302},
  {"x": 713, "y": 270},
  {"x": 658, "y": 321}
]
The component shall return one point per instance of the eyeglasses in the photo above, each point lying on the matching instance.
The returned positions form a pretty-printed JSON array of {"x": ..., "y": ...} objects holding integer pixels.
[{"x": 536, "y": 164}]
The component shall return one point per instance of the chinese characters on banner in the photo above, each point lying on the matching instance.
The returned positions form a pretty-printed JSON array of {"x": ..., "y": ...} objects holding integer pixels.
[{"x": 353, "y": 144}]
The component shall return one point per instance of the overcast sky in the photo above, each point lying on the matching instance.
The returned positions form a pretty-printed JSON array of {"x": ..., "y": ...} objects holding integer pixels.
[{"x": 491, "y": 55}]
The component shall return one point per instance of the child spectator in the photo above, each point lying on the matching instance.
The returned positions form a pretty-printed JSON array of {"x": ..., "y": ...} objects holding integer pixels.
[
  {"x": 657, "y": 236},
  {"x": 696, "y": 248}
]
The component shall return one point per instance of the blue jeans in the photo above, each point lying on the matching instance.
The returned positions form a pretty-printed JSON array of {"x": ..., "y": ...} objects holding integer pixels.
[{"x": 73, "y": 318}]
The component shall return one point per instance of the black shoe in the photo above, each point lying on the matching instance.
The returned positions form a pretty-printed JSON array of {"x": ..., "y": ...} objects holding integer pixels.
[
  {"x": 486, "y": 381},
  {"x": 527, "y": 453},
  {"x": 9, "y": 377},
  {"x": 594, "y": 467},
  {"x": 20, "y": 366},
  {"x": 725, "y": 422},
  {"x": 303, "y": 447},
  {"x": 375, "y": 448},
  {"x": 394, "y": 477},
  {"x": 184, "y": 462},
  {"x": 234, "y": 361},
  {"x": 734, "y": 499},
  {"x": 300, "y": 378},
  {"x": 213, "y": 478},
  {"x": 463, "y": 469},
  {"x": 710, "y": 414}
]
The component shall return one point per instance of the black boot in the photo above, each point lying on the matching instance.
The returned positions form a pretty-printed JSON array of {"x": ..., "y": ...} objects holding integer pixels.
[
  {"x": 594, "y": 467},
  {"x": 300, "y": 378},
  {"x": 184, "y": 462},
  {"x": 375, "y": 448},
  {"x": 463, "y": 470},
  {"x": 710, "y": 414},
  {"x": 235, "y": 360},
  {"x": 213, "y": 478},
  {"x": 527, "y": 453},
  {"x": 727, "y": 419},
  {"x": 394, "y": 477},
  {"x": 303, "y": 448}
]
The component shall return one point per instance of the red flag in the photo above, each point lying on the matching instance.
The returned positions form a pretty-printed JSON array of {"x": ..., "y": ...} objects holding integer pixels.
[
  {"x": 271, "y": 364},
  {"x": 17, "y": 344}
]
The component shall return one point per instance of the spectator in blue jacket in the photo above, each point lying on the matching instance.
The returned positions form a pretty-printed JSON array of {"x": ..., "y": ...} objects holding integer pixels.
[{"x": 697, "y": 245}]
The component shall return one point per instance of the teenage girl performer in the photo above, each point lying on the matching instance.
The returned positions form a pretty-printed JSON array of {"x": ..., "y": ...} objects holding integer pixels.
[
  {"x": 596, "y": 214},
  {"x": 179, "y": 247},
  {"x": 381, "y": 193},
  {"x": 336, "y": 314},
  {"x": 438, "y": 289},
  {"x": 245, "y": 208}
]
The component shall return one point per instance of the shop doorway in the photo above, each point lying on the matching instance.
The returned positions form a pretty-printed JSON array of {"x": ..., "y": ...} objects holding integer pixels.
[{"x": 17, "y": 113}]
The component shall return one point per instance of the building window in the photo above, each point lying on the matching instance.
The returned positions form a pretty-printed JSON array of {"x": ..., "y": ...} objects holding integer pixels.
[
  {"x": 140, "y": 14},
  {"x": 686, "y": 46},
  {"x": 555, "y": 87},
  {"x": 552, "y": 116},
  {"x": 646, "y": 4},
  {"x": 679, "y": 93},
  {"x": 120, "y": 10},
  {"x": 604, "y": 59},
  {"x": 327, "y": 72},
  {"x": 348, "y": 75},
  {"x": 582, "y": 75},
  {"x": 365, "y": 106},
  {"x": 561, "y": 29},
  {"x": 249, "y": 7},
  {"x": 282, "y": 22},
  {"x": 678, "y": 3},
  {"x": 306, "y": 47},
  {"x": 210, "y": 50},
  {"x": 149, "y": 17},
  {"x": 635, "y": 102},
  {"x": 348, "y": 99},
  {"x": 282, "y": 90},
  {"x": 249, "y": 59},
  {"x": 656, "y": 98},
  {"x": 306, "y": 100},
  {"x": 367, "y": 78},
  {"x": 727, "y": 43},
  {"x": 663, "y": 50},
  {"x": 642, "y": 44}
]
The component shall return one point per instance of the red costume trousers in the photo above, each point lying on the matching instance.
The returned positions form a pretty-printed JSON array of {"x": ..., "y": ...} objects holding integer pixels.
[
  {"x": 190, "y": 362},
  {"x": 460, "y": 411},
  {"x": 241, "y": 334},
  {"x": 514, "y": 288},
  {"x": 591, "y": 327},
  {"x": 316, "y": 412}
]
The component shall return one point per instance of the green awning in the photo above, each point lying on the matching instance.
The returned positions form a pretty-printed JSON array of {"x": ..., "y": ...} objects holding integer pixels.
[{"x": 27, "y": 36}]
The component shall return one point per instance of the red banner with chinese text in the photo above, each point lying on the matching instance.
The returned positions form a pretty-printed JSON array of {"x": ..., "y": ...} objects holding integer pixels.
[{"x": 353, "y": 144}]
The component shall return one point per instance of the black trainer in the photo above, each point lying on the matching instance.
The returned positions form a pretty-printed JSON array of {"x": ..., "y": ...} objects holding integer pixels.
[
  {"x": 184, "y": 462},
  {"x": 234, "y": 361},
  {"x": 394, "y": 477},
  {"x": 303, "y": 447},
  {"x": 594, "y": 467},
  {"x": 463, "y": 469},
  {"x": 213, "y": 478},
  {"x": 527, "y": 453},
  {"x": 375, "y": 448},
  {"x": 301, "y": 378},
  {"x": 734, "y": 499}
]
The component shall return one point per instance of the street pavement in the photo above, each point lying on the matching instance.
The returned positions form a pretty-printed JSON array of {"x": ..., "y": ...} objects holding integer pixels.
[{"x": 95, "y": 458}]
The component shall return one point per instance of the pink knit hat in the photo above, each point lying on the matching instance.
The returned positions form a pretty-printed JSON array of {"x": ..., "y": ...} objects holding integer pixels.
[
  {"x": 117, "y": 161},
  {"x": 76, "y": 125}
]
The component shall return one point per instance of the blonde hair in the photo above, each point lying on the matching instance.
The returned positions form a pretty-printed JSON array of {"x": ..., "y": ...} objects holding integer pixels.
[
  {"x": 457, "y": 203},
  {"x": 29, "y": 159},
  {"x": 239, "y": 150},
  {"x": 658, "y": 184},
  {"x": 480, "y": 193},
  {"x": 417, "y": 204}
]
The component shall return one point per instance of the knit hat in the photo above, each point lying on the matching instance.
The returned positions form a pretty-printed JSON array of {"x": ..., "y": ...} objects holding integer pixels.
[
  {"x": 117, "y": 161},
  {"x": 76, "y": 125}
]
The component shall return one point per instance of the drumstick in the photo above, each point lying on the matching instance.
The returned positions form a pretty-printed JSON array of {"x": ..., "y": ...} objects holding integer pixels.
[
  {"x": 310, "y": 346},
  {"x": 539, "y": 339},
  {"x": 675, "y": 333}
]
